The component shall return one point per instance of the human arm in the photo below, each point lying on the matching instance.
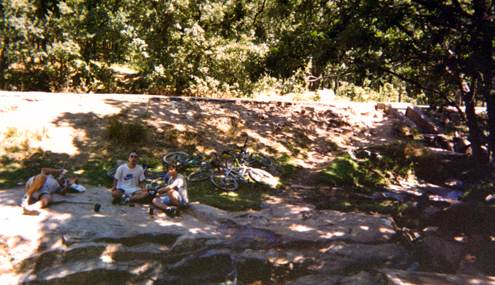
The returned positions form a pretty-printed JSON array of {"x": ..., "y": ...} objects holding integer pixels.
[
  {"x": 164, "y": 190},
  {"x": 117, "y": 177},
  {"x": 114, "y": 187},
  {"x": 47, "y": 171}
]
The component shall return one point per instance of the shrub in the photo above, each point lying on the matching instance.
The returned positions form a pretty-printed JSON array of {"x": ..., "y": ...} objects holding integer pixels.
[{"x": 126, "y": 133}]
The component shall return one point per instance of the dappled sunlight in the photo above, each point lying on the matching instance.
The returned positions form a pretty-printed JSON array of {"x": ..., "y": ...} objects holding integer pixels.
[
  {"x": 330, "y": 235},
  {"x": 44, "y": 130},
  {"x": 279, "y": 261},
  {"x": 181, "y": 125},
  {"x": 300, "y": 228},
  {"x": 165, "y": 223},
  {"x": 198, "y": 230},
  {"x": 299, "y": 209},
  {"x": 274, "y": 200},
  {"x": 476, "y": 281},
  {"x": 58, "y": 218},
  {"x": 387, "y": 230},
  {"x": 325, "y": 249},
  {"x": 105, "y": 258}
]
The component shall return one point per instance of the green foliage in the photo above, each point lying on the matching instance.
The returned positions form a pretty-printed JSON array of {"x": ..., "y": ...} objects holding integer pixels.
[
  {"x": 364, "y": 51},
  {"x": 15, "y": 171},
  {"x": 387, "y": 93},
  {"x": 369, "y": 173},
  {"x": 95, "y": 172},
  {"x": 399, "y": 159},
  {"x": 247, "y": 196},
  {"x": 125, "y": 132},
  {"x": 344, "y": 171}
]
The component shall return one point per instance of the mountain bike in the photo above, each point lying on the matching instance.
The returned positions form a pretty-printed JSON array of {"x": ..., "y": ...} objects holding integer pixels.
[
  {"x": 205, "y": 171},
  {"x": 183, "y": 159},
  {"x": 228, "y": 179},
  {"x": 245, "y": 157}
]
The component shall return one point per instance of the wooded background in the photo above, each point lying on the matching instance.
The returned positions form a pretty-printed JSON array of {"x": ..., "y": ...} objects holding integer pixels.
[{"x": 435, "y": 52}]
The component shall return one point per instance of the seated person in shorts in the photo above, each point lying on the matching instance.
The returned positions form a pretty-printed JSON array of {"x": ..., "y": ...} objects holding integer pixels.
[
  {"x": 129, "y": 181},
  {"x": 174, "y": 194},
  {"x": 40, "y": 187}
]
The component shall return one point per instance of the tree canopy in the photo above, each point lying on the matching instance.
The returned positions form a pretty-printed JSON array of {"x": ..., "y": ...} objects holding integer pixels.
[{"x": 442, "y": 49}]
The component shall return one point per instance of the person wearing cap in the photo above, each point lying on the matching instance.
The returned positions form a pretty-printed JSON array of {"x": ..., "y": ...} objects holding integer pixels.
[
  {"x": 129, "y": 181},
  {"x": 174, "y": 194},
  {"x": 39, "y": 189}
]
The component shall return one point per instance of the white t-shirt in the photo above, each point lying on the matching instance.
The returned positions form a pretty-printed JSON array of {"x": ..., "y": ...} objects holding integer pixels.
[
  {"x": 180, "y": 185},
  {"x": 128, "y": 178},
  {"x": 51, "y": 184}
]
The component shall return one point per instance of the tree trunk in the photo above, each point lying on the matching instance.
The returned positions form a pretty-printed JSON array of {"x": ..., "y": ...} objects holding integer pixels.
[
  {"x": 3, "y": 64},
  {"x": 474, "y": 129},
  {"x": 490, "y": 108}
]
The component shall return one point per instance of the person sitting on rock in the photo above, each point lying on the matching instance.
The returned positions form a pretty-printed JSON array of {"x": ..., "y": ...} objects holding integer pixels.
[
  {"x": 40, "y": 187},
  {"x": 129, "y": 181},
  {"x": 174, "y": 194}
]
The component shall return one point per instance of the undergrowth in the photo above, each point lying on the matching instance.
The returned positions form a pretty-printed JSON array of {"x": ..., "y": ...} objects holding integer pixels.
[{"x": 371, "y": 169}]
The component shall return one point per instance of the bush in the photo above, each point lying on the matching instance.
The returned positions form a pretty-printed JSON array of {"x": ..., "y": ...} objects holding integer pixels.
[
  {"x": 346, "y": 172},
  {"x": 126, "y": 133},
  {"x": 366, "y": 173}
]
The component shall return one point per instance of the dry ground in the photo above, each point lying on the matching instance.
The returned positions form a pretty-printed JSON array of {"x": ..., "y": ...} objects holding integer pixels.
[{"x": 74, "y": 125}]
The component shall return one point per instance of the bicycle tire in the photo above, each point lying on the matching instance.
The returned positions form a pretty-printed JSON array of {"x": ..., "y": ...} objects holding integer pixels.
[
  {"x": 175, "y": 156},
  {"x": 262, "y": 177},
  {"x": 111, "y": 173},
  {"x": 261, "y": 159},
  {"x": 200, "y": 175},
  {"x": 225, "y": 183},
  {"x": 156, "y": 184}
]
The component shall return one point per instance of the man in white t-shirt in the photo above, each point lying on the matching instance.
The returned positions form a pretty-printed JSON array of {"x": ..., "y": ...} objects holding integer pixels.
[{"x": 129, "y": 181}]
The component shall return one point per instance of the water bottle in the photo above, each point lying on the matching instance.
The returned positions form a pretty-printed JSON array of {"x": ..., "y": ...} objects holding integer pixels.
[{"x": 122, "y": 200}]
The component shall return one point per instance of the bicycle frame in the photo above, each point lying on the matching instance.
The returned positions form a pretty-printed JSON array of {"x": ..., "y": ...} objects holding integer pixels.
[
  {"x": 194, "y": 161},
  {"x": 236, "y": 172},
  {"x": 153, "y": 175}
]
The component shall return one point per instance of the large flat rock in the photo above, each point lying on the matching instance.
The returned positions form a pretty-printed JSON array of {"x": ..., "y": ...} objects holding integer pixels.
[{"x": 69, "y": 236}]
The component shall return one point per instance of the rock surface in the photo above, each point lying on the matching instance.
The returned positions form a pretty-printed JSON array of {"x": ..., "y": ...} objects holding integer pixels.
[
  {"x": 296, "y": 244},
  {"x": 71, "y": 242}
]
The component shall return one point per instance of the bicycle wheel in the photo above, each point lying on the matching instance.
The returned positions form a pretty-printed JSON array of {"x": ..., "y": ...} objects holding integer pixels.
[
  {"x": 156, "y": 184},
  {"x": 227, "y": 183},
  {"x": 111, "y": 173},
  {"x": 261, "y": 159},
  {"x": 176, "y": 156},
  {"x": 200, "y": 175},
  {"x": 262, "y": 177}
]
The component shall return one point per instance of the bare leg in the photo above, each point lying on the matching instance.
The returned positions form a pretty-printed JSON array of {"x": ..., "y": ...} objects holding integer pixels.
[
  {"x": 174, "y": 197},
  {"x": 42, "y": 202},
  {"x": 34, "y": 209},
  {"x": 138, "y": 195},
  {"x": 160, "y": 205},
  {"x": 38, "y": 182},
  {"x": 117, "y": 193}
]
